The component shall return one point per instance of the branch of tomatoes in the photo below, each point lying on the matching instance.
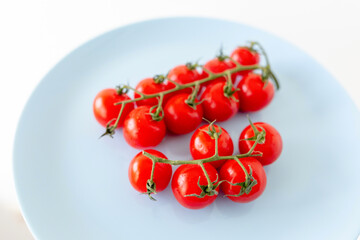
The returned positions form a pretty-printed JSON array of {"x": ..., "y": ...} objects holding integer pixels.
[
  {"x": 210, "y": 188},
  {"x": 156, "y": 111}
]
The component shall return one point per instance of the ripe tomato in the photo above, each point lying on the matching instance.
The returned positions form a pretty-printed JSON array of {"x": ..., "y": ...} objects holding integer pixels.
[
  {"x": 218, "y": 65},
  {"x": 232, "y": 172},
  {"x": 253, "y": 93},
  {"x": 245, "y": 57},
  {"x": 140, "y": 172},
  {"x": 216, "y": 105},
  {"x": 271, "y": 148},
  {"x": 141, "y": 131},
  {"x": 185, "y": 182},
  {"x": 149, "y": 86},
  {"x": 183, "y": 74},
  {"x": 105, "y": 110},
  {"x": 202, "y": 145},
  {"x": 179, "y": 117}
]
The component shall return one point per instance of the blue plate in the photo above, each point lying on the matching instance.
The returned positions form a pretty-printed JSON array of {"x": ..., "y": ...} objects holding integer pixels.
[{"x": 71, "y": 185}]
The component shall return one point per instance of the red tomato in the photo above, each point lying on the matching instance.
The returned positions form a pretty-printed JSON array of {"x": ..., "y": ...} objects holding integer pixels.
[
  {"x": 179, "y": 117},
  {"x": 232, "y": 172},
  {"x": 253, "y": 93},
  {"x": 217, "y": 65},
  {"x": 149, "y": 86},
  {"x": 202, "y": 145},
  {"x": 141, "y": 131},
  {"x": 185, "y": 182},
  {"x": 105, "y": 110},
  {"x": 182, "y": 74},
  {"x": 216, "y": 105},
  {"x": 271, "y": 148},
  {"x": 245, "y": 57},
  {"x": 140, "y": 171}
]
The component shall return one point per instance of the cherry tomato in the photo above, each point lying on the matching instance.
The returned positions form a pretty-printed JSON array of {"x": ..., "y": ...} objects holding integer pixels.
[
  {"x": 232, "y": 172},
  {"x": 271, "y": 148},
  {"x": 216, "y": 105},
  {"x": 217, "y": 65},
  {"x": 105, "y": 110},
  {"x": 140, "y": 172},
  {"x": 141, "y": 131},
  {"x": 185, "y": 182},
  {"x": 149, "y": 86},
  {"x": 183, "y": 74},
  {"x": 179, "y": 117},
  {"x": 245, "y": 57},
  {"x": 202, "y": 145},
  {"x": 253, "y": 93}
]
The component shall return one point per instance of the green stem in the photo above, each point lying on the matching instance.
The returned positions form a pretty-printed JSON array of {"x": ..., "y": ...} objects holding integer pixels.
[
  {"x": 210, "y": 184},
  {"x": 247, "y": 176},
  {"x": 179, "y": 87},
  {"x": 213, "y": 158}
]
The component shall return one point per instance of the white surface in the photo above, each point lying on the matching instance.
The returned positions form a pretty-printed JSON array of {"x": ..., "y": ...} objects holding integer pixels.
[{"x": 36, "y": 34}]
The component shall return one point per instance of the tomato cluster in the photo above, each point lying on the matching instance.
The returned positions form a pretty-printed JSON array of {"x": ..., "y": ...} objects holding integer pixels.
[
  {"x": 181, "y": 111},
  {"x": 241, "y": 180},
  {"x": 178, "y": 103}
]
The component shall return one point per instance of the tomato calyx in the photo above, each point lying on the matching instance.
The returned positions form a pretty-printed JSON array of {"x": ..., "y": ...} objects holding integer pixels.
[
  {"x": 190, "y": 101},
  {"x": 192, "y": 66},
  {"x": 247, "y": 185},
  {"x": 257, "y": 134},
  {"x": 158, "y": 114},
  {"x": 121, "y": 90},
  {"x": 159, "y": 78},
  {"x": 206, "y": 190},
  {"x": 229, "y": 89},
  {"x": 150, "y": 189},
  {"x": 109, "y": 130},
  {"x": 221, "y": 56},
  {"x": 212, "y": 132}
]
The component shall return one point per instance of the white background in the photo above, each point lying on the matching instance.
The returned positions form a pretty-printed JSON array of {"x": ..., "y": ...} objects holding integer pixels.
[{"x": 36, "y": 34}]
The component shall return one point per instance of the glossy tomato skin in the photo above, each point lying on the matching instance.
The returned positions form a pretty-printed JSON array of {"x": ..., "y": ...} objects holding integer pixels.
[
  {"x": 182, "y": 75},
  {"x": 245, "y": 57},
  {"x": 202, "y": 145},
  {"x": 184, "y": 182},
  {"x": 149, "y": 86},
  {"x": 272, "y": 147},
  {"x": 253, "y": 93},
  {"x": 140, "y": 171},
  {"x": 232, "y": 172},
  {"x": 105, "y": 110},
  {"x": 216, "y": 105},
  {"x": 179, "y": 117},
  {"x": 141, "y": 131},
  {"x": 218, "y": 66}
]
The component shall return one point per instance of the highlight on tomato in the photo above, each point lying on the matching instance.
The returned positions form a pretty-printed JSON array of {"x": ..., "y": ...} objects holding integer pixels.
[
  {"x": 141, "y": 130},
  {"x": 105, "y": 111},
  {"x": 239, "y": 186},
  {"x": 190, "y": 185},
  {"x": 182, "y": 115},
  {"x": 220, "y": 102},
  {"x": 254, "y": 92},
  {"x": 139, "y": 173},
  {"x": 202, "y": 143},
  {"x": 270, "y": 146}
]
